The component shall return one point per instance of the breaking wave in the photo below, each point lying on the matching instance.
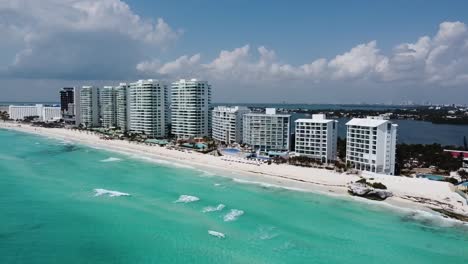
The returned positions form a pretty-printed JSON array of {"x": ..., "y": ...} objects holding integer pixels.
[
  {"x": 187, "y": 199},
  {"x": 216, "y": 234},
  {"x": 111, "y": 159},
  {"x": 266, "y": 233},
  {"x": 233, "y": 215},
  {"x": 100, "y": 192},
  {"x": 210, "y": 209}
]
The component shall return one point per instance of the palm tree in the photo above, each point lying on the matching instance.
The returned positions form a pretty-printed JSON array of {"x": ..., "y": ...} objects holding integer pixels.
[{"x": 4, "y": 116}]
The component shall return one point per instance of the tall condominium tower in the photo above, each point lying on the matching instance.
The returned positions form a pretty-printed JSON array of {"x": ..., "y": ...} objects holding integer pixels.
[
  {"x": 227, "y": 124},
  {"x": 317, "y": 138},
  {"x": 123, "y": 108},
  {"x": 371, "y": 144},
  {"x": 148, "y": 103},
  {"x": 190, "y": 113},
  {"x": 89, "y": 106},
  {"x": 67, "y": 99},
  {"x": 268, "y": 131},
  {"x": 108, "y": 106}
]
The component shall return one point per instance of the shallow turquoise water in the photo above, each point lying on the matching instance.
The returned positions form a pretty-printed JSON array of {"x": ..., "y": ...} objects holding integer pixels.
[{"x": 50, "y": 214}]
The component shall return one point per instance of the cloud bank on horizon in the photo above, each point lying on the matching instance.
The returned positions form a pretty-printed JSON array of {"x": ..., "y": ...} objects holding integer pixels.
[
  {"x": 106, "y": 40},
  {"x": 441, "y": 59}
]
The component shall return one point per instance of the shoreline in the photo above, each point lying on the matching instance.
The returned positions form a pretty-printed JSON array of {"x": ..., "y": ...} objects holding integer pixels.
[{"x": 282, "y": 176}]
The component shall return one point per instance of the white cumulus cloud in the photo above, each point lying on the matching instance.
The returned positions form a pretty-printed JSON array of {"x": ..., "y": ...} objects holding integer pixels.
[
  {"x": 66, "y": 38},
  {"x": 440, "y": 60}
]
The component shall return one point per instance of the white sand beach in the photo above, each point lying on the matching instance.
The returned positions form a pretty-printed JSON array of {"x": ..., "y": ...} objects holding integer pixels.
[{"x": 414, "y": 193}]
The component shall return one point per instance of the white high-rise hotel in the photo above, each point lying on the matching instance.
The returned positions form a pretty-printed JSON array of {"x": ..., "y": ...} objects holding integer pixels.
[
  {"x": 371, "y": 144},
  {"x": 89, "y": 106},
  {"x": 108, "y": 103},
  {"x": 148, "y": 102},
  {"x": 122, "y": 106},
  {"x": 227, "y": 123},
  {"x": 268, "y": 131},
  {"x": 190, "y": 113},
  {"x": 317, "y": 138}
]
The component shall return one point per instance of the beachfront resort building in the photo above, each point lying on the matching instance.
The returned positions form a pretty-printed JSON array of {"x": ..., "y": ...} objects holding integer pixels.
[
  {"x": 148, "y": 108},
  {"x": 89, "y": 106},
  {"x": 39, "y": 111},
  {"x": 267, "y": 131},
  {"x": 227, "y": 123},
  {"x": 316, "y": 137},
  {"x": 190, "y": 113},
  {"x": 123, "y": 108},
  {"x": 108, "y": 106},
  {"x": 371, "y": 144}
]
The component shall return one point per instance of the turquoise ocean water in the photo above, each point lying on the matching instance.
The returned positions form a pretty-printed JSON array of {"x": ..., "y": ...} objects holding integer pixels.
[{"x": 49, "y": 214}]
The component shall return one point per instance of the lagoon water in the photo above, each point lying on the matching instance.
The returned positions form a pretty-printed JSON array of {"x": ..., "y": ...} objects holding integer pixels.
[{"x": 146, "y": 212}]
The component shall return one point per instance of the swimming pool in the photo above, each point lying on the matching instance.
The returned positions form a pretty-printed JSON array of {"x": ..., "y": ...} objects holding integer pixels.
[
  {"x": 231, "y": 151},
  {"x": 431, "y": 177}
]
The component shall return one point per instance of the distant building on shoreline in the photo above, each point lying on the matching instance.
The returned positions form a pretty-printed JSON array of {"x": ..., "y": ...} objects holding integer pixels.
[
  {"x": 317, "y": 138},
  {"x": 227, "y": 122},
  {"x": 148, "y": 108},
  {"x": 267, "y": 131},
  {"x": 371, "y": 145},
  {"x": 69, "y": 104},
  {"x": 43, "y": 113},
  {"x": 67, "y": 100},
  {"x": 190, "y": 108}
]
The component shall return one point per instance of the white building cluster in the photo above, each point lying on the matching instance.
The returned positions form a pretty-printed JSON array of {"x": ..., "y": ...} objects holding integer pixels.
[
  {"x": 143, "y": 107},
  {"x": 371, "y": 141},
  {"x": 157, "y": 110}
]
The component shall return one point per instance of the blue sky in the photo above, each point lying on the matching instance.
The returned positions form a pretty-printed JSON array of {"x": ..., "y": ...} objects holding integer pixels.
[
  {"x": 300, "y": 31},
  {"x": 294, "y": 51}
]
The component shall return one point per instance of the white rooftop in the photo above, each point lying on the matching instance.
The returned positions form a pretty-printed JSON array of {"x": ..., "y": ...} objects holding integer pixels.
[
  {"x": 311, "y": 120},
  {"x": 230, "y": 108},
  {"x": 316, "y": 118},
  {"x": 366, "y": 122}
]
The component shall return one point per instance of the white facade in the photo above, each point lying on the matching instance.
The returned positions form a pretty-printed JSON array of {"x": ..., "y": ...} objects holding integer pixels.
[
  {"x": 190, "y": 113},
  {"x": 51, "y": 113},
  {"x": 371, "y": 144},
  {"x": 77, "y": 106},
  {"x": 108, "y": 106},
  {"x": 123, "y": 108},
  {"x": 19, "y": 112},
  {"x": 317, "y": 138},
  {"x": 148, "y": 103},
  {"x": 227, "y": 123},
  {"x": 89, "y": 106},
  {"x": 43, "y": 113},
  {"x": 267, "y": 132}
]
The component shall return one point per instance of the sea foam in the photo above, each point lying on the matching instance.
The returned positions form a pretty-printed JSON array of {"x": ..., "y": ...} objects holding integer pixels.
[
  {"x": 233, "y": 215},
  {"x": 111, "y": 159},
  {"x": 99, "y": 192},
  {"x": 216, "y": 234},
  {"x": 210, "y": 209},
  {"x": 187, "y": 199}
]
